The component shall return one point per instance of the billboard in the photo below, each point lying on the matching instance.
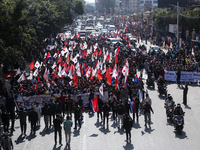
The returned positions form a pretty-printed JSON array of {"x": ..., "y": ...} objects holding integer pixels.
[{"x": 168, "y": 3}]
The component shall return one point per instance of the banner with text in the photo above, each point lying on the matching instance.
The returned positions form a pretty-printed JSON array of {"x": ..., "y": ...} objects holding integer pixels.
[{"x": 185, "y": 76}]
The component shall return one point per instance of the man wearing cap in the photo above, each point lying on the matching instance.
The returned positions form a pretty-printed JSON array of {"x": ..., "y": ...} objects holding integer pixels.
[{"x": 6, "y": 143}]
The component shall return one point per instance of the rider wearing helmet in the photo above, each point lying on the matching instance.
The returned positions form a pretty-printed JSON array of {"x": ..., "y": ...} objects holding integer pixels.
[{"x": 178, "y": 110}]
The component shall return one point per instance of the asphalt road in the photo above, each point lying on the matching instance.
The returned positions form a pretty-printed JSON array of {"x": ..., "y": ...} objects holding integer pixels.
[{"x": 159, "y": 136}]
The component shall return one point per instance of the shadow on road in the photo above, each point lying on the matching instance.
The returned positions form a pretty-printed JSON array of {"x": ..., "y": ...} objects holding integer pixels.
[
  {"x": 180, "y": 136},
  {"x": 187, "y": 107},
  {"x": 136, "y": 125},
  {"x": 104, "y": 130},
  {"x": 148, "y": 130},
  {"x": 93, "y": 135},
  {"x": 162, "y": 97},
  {"x": 114, "y": 124},
  {"x": 20, "y": 139},
  {"x": 128, "y": 146},
  {"x": 76, "y": 132},
  {"x": 98, "y": 124},
  {"x": 56, "y": 148},
  {"x": 44, "y": 131},
  {"x": 169, "y": 122},
  {"x": 31, "y": 136}
]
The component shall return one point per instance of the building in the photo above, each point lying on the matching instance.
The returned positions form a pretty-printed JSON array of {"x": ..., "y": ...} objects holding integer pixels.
[{"x": 147, "y": 4}]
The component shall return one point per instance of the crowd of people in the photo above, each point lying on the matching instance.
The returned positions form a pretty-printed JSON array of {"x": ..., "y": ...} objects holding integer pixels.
[{"x": 68, "y": 65}]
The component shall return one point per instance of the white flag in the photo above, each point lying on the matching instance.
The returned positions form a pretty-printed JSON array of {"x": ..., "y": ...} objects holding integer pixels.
[
  {"x": 35, "y": 73},
  {"x": 18, "y": 72},
  {"x": 21, "y": 78},
  {"x": 37, "y": 64},
  {"x": 46, "y": 74},
  {"x": 144, "y": 74},
  {"x": 101, "y": 89}
]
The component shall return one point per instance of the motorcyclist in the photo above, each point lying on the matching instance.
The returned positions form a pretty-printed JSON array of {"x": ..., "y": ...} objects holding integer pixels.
[
  {"x": 161, "y": 82},
  {"x": 178, "y": 110},
  {"x": 169, "y": 102}
]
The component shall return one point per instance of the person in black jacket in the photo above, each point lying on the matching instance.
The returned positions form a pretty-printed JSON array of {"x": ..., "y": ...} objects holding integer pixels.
[
  {"x": 100, "y": 104},
  {"x": 77, "y": 112},
  {"x": 120, "y": 112},
  {"x": 114, "y": 105},
  {"x": 91, "y": 96},
  {"x": 147, "y": 108},
  {"x": 57, "y": 128},
  {"x": 46, "y": 113},
  {"x": 33, "y": 119},
  {"x": 5, "y": 120},
  {"x": 127, "y": 125},
  {"x": 22, "y": 118},
  {"x": 127, "y": 106},
  {"x": 105, "y": 110},
  {"x": 52, "y": 110},
  {"x": 12, "y": 118}
]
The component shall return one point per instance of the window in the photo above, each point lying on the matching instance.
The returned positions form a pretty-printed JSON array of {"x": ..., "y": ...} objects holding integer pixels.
[
  {"x": 141, "y": 2},
  {"x": 147, "y": 2},
  {"x": 155, "y": 1}
]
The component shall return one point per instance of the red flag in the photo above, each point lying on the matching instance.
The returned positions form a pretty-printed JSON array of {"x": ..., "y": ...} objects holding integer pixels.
[
  {"x": 116, "y": 83},
  {"x": 94, "y": 104},
  {"x": 128, "y": 44},
  {"x": 134, "y": 105},
  {"x": 8, "y": 76},
  {"x": 46, "y": 74},
  {"x": 100, "y": 52},
  {"x": 117, "y": 51},
  {"x": 109, "y": 80},
  {"x": 78, "y": 36},
  {"x": 116, "y": 59},
  {"x": 99, "y": 75},
  {"x": 75, "y": 78},
  {"x": 55, "y": 73},
  {"x": 71, "y": 69},
  {"x": 95, "y": 52},
  {"x": 59, "y": 60},
  {"x": 38, "y": 80},
  {"x": 21, "y": 89},
  {"x": 108, "y": 57},
  {"x": 31, "y": 66}
]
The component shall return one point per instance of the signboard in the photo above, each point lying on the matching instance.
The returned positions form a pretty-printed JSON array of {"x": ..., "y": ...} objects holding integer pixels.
[{"x": 173, "y": 28}]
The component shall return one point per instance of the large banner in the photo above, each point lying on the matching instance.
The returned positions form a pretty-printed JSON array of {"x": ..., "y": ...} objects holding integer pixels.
[
  {"x": 185, "y": 76},
  {"x": 29, "y": 101}
]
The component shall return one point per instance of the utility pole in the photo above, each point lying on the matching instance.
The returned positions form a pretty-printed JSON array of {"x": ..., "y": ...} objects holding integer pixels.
[
  {"x": 177, "y": 22},
  {"x": 152, "y": 22}
]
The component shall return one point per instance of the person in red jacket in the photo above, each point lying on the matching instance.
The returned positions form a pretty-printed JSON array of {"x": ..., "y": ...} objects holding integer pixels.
[{"x": 63, "y": 101}]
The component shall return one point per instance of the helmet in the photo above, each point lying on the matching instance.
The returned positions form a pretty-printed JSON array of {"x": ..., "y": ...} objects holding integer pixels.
[
  {"x": 170, "y": 97},
  {"x": 178, "y": 105}
]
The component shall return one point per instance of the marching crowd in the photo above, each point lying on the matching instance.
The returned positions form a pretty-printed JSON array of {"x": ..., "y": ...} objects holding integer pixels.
[{"x": 68, "y": 65}]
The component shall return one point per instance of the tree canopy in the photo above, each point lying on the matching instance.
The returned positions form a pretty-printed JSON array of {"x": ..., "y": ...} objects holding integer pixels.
[{"x": 24, "y": 24}]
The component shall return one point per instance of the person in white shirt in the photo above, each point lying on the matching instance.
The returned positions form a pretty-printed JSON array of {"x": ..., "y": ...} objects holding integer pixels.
[{"x": 148, "y": 99}]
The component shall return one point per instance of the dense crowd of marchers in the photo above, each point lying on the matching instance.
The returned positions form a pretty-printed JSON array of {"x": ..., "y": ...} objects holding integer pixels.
[{"x": 70, "y": 65}]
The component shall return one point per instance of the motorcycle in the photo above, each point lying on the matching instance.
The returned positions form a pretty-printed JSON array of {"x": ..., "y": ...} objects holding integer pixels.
[
  {"x": 169, "y": 110},
  {"x": 150, "y": 82},
  {"x": 178, "y": 123},
  {"x": 162, "y": 89}
]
